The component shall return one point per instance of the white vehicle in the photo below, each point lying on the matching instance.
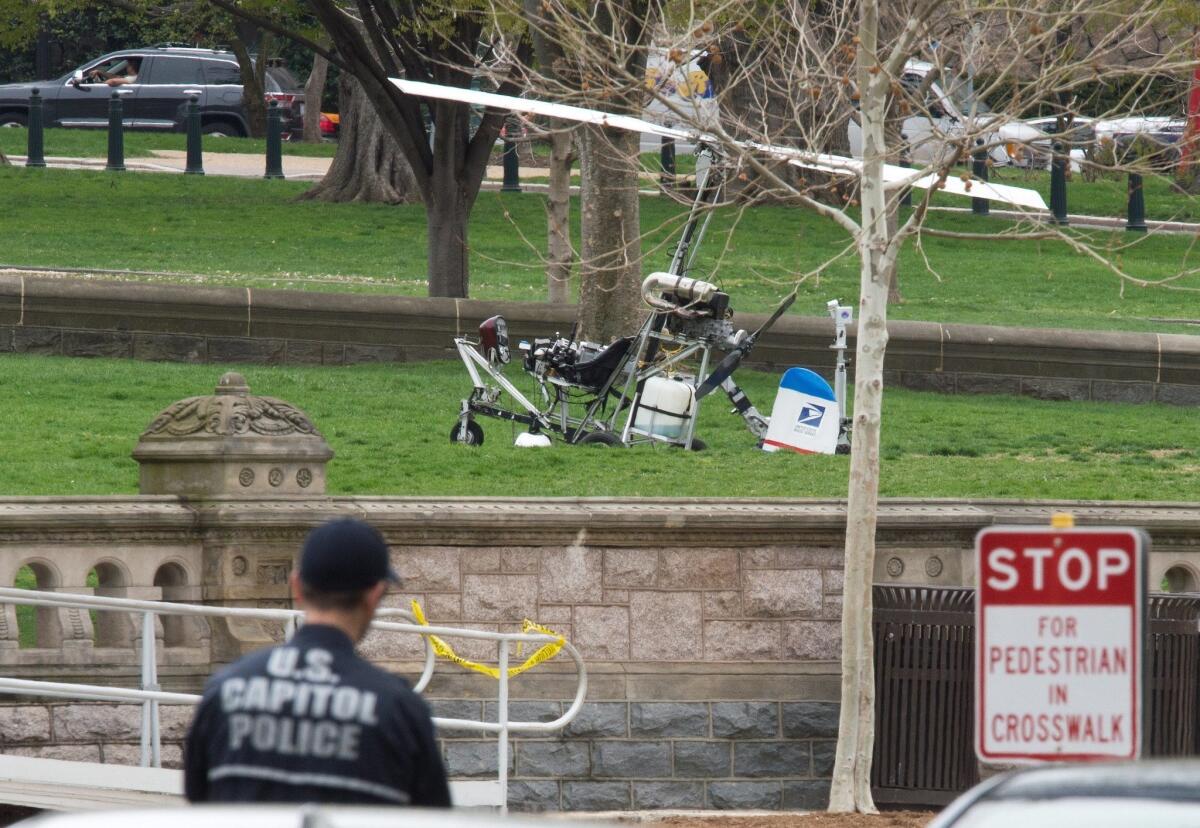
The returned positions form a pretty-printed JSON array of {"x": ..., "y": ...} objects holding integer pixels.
[
  {"x": 945, "y": 114},
  {"x": 948, "y": 112}
]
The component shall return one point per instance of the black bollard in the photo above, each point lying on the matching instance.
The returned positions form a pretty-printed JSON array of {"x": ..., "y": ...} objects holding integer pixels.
[
  {"x": 35, "y": 152},
  {"x": 979, "y": 206},
  {"x": 116, "y": 135},
  {"x": 512, "y": 168},
  {"x": 667, "y": 155},
  {"x": 1058, "y": 185},
  {"x": 195, "y": 153},
  {"x": 274, "y": 142},
  {"x": 1135, "y": 220}
]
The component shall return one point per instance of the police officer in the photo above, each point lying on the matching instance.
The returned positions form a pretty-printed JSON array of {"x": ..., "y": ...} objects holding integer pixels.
[{"x": 308, "y": 720}]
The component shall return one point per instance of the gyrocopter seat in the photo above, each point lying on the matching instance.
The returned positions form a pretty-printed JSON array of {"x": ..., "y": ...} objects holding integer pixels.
[{"x": 591, "y": 374}]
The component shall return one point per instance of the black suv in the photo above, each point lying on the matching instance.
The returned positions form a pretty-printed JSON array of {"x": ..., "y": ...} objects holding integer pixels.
[{"x": 155, "y": 84}]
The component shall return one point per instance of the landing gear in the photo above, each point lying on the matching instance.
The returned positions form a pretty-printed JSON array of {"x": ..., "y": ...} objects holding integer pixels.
[
  {"x": 472, "y": 435},
  {"x": 600, "y": 438}
]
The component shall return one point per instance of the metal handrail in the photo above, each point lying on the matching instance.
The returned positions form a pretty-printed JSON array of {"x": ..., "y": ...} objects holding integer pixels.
[{"x": 150, "y": 695}]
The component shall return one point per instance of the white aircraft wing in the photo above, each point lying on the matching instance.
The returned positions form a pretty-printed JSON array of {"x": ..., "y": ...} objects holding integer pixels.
[{"x": 824, "y": 162}]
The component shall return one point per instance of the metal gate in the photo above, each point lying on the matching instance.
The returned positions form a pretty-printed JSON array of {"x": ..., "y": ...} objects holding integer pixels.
[
  {"x": 924, "y": 694},
  {"x": 1173, "y": 659},
  {"x": 925, "y": 689}
]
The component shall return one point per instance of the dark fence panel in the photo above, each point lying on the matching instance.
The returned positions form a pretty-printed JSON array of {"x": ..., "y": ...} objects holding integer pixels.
[
  {"x": 924, "y": 694},
  {"x": 1173, "y": 658},
  {"x": 925, "y": 689}
]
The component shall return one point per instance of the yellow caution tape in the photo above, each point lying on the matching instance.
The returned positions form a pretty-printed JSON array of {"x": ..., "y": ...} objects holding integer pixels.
[{"x": 543, "y": 653}]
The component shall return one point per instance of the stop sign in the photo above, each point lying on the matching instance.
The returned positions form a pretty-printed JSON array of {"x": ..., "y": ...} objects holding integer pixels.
[{"x": 1058, "y": 636}]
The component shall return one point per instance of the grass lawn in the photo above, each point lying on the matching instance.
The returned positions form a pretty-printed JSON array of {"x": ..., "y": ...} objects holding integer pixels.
[
  {"x": 254, "y": 232},
  {"x": 93, "y": 143},
  {"x": 69, "y": 426}
]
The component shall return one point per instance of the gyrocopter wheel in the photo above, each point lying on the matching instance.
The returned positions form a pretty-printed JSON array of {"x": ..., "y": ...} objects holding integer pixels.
[{"x": 473, "y": 436}]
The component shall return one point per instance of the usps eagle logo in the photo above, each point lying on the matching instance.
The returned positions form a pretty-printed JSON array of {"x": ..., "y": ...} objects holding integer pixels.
[{"x": 810, "y": 417}]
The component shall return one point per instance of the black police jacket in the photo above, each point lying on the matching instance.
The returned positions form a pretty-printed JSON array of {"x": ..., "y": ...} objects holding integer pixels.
[{"x": 310, "y": 721}]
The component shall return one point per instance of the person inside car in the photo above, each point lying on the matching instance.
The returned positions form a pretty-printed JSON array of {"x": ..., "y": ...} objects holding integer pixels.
[{"x": 123, "y": 72}]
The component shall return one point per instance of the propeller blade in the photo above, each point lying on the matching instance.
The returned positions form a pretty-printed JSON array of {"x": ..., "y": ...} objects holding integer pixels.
[
  {"x": 734, "y": 358},
  {"x": 713, "y": 381},
  {"x": 772, "y": 319}
]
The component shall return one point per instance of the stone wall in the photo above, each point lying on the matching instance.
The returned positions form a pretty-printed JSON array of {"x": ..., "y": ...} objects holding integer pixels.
[
  {"x": 613, "y": 756},
  {"x": 75, "y": 317},
  {"x": 618, "y": 755},
  {"x": 88, "y": 732},
  {"x": 710, "y": 629}
]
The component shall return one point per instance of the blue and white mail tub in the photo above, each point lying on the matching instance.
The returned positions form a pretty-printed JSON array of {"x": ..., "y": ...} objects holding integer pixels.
[{"x": 805, "y": 417}]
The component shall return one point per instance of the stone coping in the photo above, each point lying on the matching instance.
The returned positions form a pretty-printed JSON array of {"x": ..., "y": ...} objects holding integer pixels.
[
  {"x": 169, "y": 508},
  {"x": 613, "y": 521},
  {"x": 96, "y": 317}
]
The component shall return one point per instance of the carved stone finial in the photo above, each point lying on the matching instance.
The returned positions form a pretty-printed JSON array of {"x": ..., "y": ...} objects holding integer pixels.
[
  {"x": 232, "y": 383},
  {"x": 232, "y": 442}
]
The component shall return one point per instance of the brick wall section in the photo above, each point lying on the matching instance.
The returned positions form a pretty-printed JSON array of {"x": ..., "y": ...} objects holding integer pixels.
[{"x": 75, "y": 317}]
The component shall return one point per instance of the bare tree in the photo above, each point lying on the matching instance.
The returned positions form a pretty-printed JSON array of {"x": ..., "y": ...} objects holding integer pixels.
[
  {"x": 595, "y": 55},
  {"x": 550, "y": 62},
  {"x": 378, "y": 40},
  {"x": 893, "y": 82}
]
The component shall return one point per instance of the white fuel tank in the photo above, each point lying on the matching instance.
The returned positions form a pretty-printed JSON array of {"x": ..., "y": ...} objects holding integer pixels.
[{"x": 665, "y": 407}]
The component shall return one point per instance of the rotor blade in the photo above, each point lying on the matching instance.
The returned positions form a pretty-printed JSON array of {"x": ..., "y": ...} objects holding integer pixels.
[
  {"x": 893, "y": 175},
  {"x": 713, "y": 381},
  {"x": 974, "y": 188},
  {"x": 824, "y": 162},
  {"x": 536, "y": 107}
]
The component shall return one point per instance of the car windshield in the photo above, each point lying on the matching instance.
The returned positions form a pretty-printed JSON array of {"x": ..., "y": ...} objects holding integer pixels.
[{"x": 1075, "y": 812}]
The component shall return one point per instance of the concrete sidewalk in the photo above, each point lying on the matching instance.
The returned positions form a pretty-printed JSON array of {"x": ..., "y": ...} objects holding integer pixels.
[
  {"x": 241, "y": 165},
  {"x": 238, "y": 165}
]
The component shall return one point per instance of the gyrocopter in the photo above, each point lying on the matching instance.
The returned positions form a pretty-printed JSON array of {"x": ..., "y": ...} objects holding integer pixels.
[{"x": 646, "y": 387}]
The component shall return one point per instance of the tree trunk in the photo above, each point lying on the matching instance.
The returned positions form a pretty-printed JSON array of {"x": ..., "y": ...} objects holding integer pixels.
[
  {"x": 894, "y": 296},
  {"x": 1187, "y": 173},
  {"x": 369, "y": 165},
  {"x": 851, "y": 788},
  {"x": 559, "y": 253},
  {"x": 610, "y": 235},
  {"x": 4, "y": 159},
  {"x": 254, "y": 73},
  {"x": 548, "y": 53},
  {"x": 314, "y": 93},
  {"x": 446, "y": 218}
]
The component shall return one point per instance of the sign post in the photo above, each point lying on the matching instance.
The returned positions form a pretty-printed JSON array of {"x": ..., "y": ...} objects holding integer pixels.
[{"x": 1060, "y": 621}]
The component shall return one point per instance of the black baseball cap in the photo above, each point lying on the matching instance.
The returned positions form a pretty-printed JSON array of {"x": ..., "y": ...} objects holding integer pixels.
[{"x": 344, "y": 555}]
